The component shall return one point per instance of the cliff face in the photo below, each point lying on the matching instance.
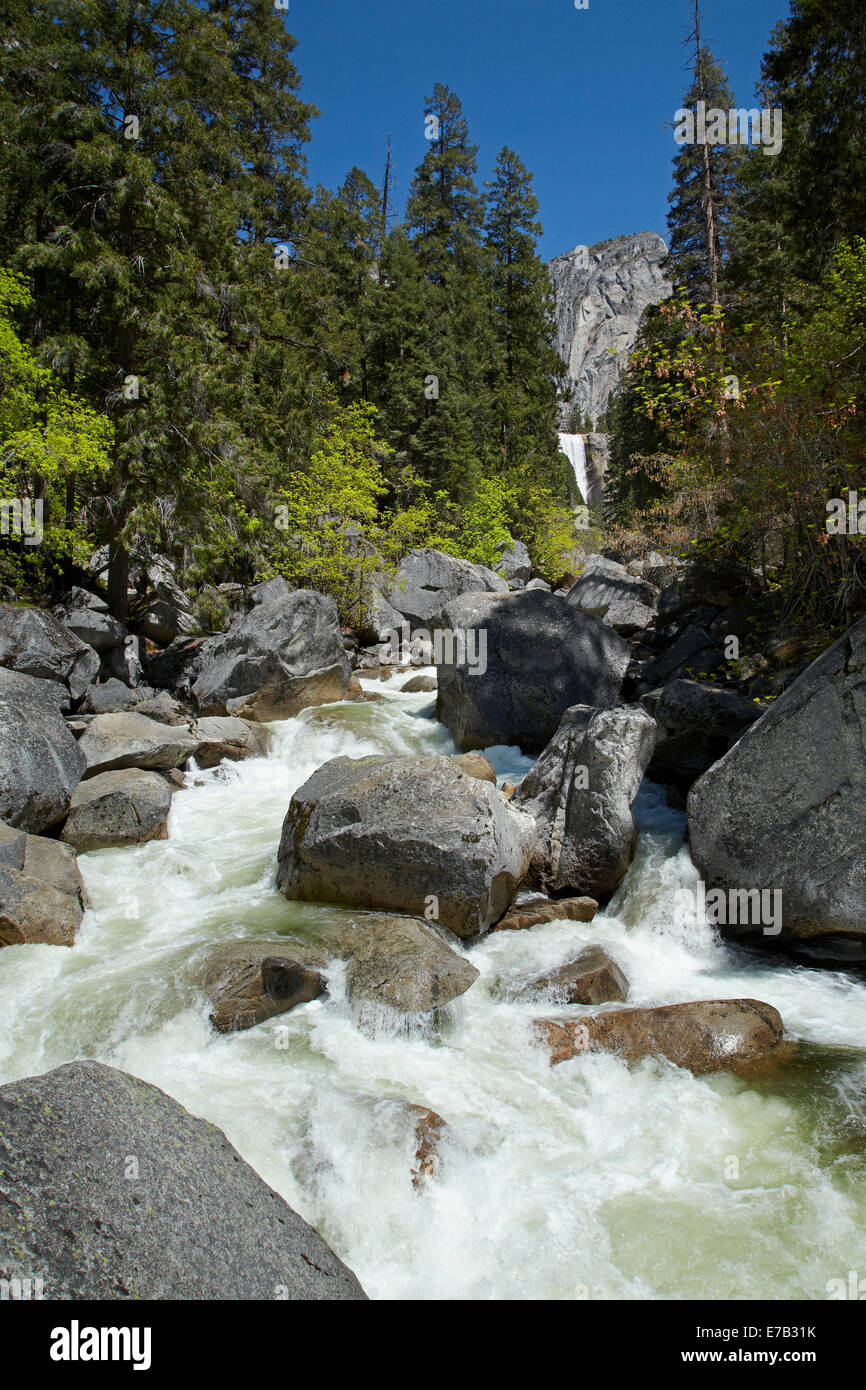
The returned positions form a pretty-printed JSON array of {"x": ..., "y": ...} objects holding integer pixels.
[{"x": 601, "y": 292}]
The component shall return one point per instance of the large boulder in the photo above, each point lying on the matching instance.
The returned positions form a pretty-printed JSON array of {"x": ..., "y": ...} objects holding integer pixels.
[
  {"x": 428, "y": 579},
  {"x": 697, "y": 724},
  {"x": 624, "y": 601},
  {"x": 785, "y": 808},
  {"x": 515, "y": 564},
  {"x": 401, "y": 963},
  {"x": 110, "y": 697},
  {"x": 109, "y": 1189},
  {"x": 127, "y": 807},
  {"x": 40, "y": 762},
  {"x": 592, "y": 978},
  {"x": 132, "y": 740},
  {"x": 42, "y": 893},
  {"x": 284, "y": 655},
  {"x": 35, "y": 644},
  {"x": 169, "y": 613},
  {"x": 580, "y": 792},
  {"x": 405, "y": 835},
  {"x": 528, "y": 657},
  {"x": 96, "y": 629},
  {"x": 740, "y": 1035},
  {"x": 224, "y": 738}
]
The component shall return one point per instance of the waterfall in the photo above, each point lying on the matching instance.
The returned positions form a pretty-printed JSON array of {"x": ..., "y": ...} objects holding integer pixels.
[{"x": 574, "y": 448}]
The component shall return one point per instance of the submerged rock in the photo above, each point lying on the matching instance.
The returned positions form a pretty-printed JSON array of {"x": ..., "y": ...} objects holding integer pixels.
[
  {"x": 580, "y": 793},
  {"x": 409, "y": 835},
  {"x": 40, "y": 762},
  {"x": 593, "y": 978},
  {"x": 740, "y": 1035},
  {"x": 401, "y": 963},
  {"x": 249, "y": 982},
  {"x": 284, "y": 655},
  {"x": 110, "y": 1189},
  {"x": 536, "y": 656},
  {"x": 539, "y": 911},
  {"x": 785, "y": 809}
]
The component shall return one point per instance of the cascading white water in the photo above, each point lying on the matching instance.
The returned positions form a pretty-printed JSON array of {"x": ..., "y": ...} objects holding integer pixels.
[
  {"x": 588, "y": 1179},
  {"x": 574, "y": 448}
]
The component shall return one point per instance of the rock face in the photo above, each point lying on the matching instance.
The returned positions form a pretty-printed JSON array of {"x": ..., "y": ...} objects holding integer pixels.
[
  {"x": 601, "y": 292},
  {"x": 593, "y": 978},
  {"x": 284, "y": 655},
  {"x": 195, "y": 1223},
  {"x": 40, "y": 762},
  {"x": 42, "y": 893},
  {"x": 580, "y": 793},
  {"x": 620, "y": 599},
  {"x": 740, "y": 1035},
  {"x": 428, "y": 579},
  {"x": 128, "y": 807},
  {"x": 132, "y": 740},
  {"x": 34, "y": 644},
  {"x": 540, "y": 657},
  {"x": 785, "y": 809},
  {"x": 251, "y": 981},
  {"x": 405, "y": 835}
]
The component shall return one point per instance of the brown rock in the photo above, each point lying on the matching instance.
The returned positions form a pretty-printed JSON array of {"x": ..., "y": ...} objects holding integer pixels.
[
  {"x": 740, "y": 1035},
  {"x": 249, "y": 982},
  {"x": 541, "y": 910},
  {"x": 42, "y": 893},
  {"x": 476, "y": 765},
  {"x": 507, "y": 790},
  {"x": 428, "y": 1135},
  {"x": 593, "y": 978},
  {"x": 420, "y": 685}
]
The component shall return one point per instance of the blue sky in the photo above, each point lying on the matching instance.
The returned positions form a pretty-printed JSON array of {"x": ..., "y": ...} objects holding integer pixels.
[{"x": 582, "y": 95}]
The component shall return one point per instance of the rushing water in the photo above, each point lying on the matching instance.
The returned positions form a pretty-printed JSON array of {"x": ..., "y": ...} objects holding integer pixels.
[
  {"x": 585, "y": 1180},
  {"x": 574, "y": 448}
]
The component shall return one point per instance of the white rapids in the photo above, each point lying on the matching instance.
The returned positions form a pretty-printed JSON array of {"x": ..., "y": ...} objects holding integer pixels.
[{"x": 586, "y": 1180}]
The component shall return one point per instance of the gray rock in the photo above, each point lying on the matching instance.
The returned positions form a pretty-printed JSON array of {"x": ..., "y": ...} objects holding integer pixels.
[
  {"x": 34, "y": 644},
  {"x": 195, "y": 1223},
  {"x": 132, "y": 740},
  {"x": 274, "y": 590},
  {"x": 96, "y": 629},
  {"x": 127, "y": 807},
  {"x": 620, "y": 599},
  {"x": 83, "y": 598},
  {"x": 249, "y": 982},
  {"x": 601, "y": 292},
  {"x": 697, "y": 724},
  {"x": 283, "y": 656},
  {"x": 515, "y": 563},
  {"x": 580, "y": 793},
  {"x": 42, "y": 893},
  {"x": 177, "y": 668},
  {"x": 428, "y": 579},
  {"x": 694, "y": 653},
  {"x": 169, "y": 613},
  {"x": 540, "y": 584},
  {"x": 542, "y": 656},
  {"x": 222, "y": 737},
  {"x": 109, "y": 697},
  {"x": 403, "y": 964},
  {"x": 124, "y": 663},
  {"x": 400, "y": 834},
  {"x": 592, "y": 978},
  {"x": 40, "y": 762},
  {"x": 162, "y": 707},
  {"x": 785, "y": 809}
]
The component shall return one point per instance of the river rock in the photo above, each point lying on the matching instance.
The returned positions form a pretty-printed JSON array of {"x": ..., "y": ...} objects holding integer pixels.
[
  {"x": 593, "y": 978},
  {"x": 475, "y": 765},
  {"x": 785, "y": 808},
  {"x": 428, "y": 1130},
  {"x": 541, "y": 656},
  {"x": 132, "y": 740},
  {"x": 40, "y": 762},
  {"x": 126, "y": 807},
  {"x": 421, "y": 685},
  {"x": 400, "y": 834},
  {"x": 194, "y": 1222},
  {"x": 227, "y": 738},
  {"x": 95, "y": 629},
  {"x": 538, "y": 911},
  {"x": 740, "y": 1035},
  {"x": 426, "y": 580},
  {"x": 42, "y": 893},
  {"x": 580, "y": 793},
  {"x": 284, "y": 655},
  {"x": 34, "y": 643},
  {"x": 401, "y": 963},
  {"x": 249, "y": 982},
  {"x": 622, "y": 600}
]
